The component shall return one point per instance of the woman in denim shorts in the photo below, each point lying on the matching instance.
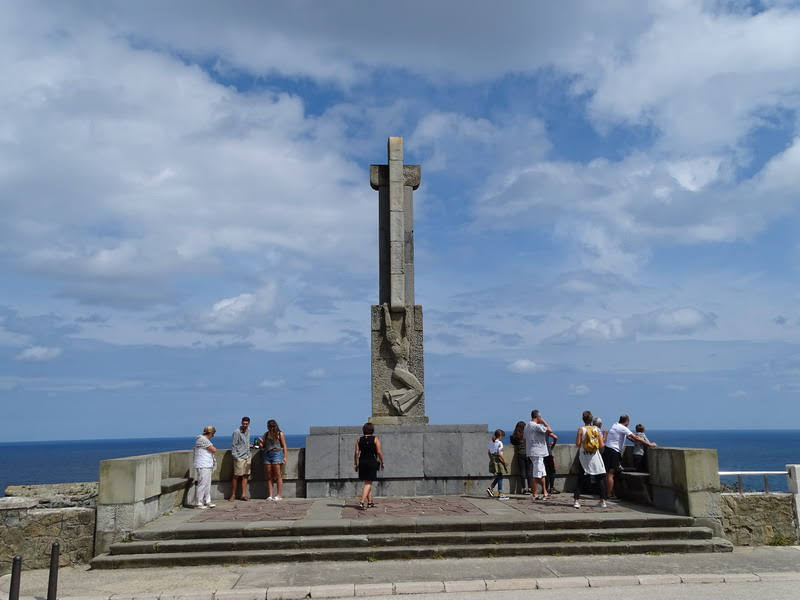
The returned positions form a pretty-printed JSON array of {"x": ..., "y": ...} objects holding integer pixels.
[{"x": 273, "y": 454}]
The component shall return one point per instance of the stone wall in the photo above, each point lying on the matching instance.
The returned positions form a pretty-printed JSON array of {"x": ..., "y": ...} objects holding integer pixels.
[
  {"x": 29, "y": 531},
  {"x": 758, "y": 519}
]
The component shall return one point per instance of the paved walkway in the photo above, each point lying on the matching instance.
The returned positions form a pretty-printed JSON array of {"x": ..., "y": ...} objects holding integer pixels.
[
  {"x": 452, "y": 578},
  {"x": 315, "y": 510},
  {"x": 448, "y": 577}
]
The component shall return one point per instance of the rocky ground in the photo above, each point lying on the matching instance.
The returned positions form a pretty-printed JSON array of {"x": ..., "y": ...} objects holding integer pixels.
[{"x": 58, "y": 495}]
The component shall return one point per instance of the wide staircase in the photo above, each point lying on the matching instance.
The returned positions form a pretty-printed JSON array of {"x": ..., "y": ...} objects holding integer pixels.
[{"x": 377, "y": 539}]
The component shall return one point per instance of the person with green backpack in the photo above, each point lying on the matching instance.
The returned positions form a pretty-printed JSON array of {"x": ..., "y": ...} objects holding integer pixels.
[{"x": 590, "y": 443}]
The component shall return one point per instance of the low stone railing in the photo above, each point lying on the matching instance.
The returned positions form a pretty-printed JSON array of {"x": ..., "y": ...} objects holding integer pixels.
[
  {"x": 29, "y": 530},
  {"x": 762, "y": 517},
  {"x": 138, "y": 489}
]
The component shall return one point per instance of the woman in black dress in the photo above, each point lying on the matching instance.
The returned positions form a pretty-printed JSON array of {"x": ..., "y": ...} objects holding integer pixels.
[{"x": 367, "y": 459}]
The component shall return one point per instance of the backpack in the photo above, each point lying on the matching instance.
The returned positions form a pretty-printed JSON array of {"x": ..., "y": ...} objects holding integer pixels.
[{"x": 591, "y": 439}]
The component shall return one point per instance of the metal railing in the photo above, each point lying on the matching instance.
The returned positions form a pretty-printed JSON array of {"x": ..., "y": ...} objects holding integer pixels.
[{"x": 740, "y": 475}]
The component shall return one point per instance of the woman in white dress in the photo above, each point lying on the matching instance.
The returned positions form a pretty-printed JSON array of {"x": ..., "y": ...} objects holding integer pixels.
[{"x": 590, "y": 445}]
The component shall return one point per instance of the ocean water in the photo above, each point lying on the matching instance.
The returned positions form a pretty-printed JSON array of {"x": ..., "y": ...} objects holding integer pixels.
[{"x": 78, "y": 460}]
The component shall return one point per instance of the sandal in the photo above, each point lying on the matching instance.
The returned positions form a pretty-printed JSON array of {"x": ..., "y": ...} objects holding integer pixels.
[
  {"x": 371, "y": 505},
  {"x": 361, "y": 506}
]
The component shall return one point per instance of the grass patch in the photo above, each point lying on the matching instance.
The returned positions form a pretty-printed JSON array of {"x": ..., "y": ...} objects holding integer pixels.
[
  {"x": 372, "y": 559},
  {"x": 779, "y": 540}
]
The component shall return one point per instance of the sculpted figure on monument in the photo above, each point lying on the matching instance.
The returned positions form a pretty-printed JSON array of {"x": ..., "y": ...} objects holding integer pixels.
[{"x": 401, "y": 399}]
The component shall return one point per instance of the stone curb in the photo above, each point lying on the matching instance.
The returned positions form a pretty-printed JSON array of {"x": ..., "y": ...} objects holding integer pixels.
[{"x": 404, "y": 588}]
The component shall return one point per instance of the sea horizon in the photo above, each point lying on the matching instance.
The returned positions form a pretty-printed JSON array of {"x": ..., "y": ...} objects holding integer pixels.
[{"x": 297, "y": 435}]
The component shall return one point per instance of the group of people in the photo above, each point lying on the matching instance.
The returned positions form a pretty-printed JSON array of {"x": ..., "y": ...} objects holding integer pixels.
[
  {"x": 273, "y": 456},
  {"x": 599, "y": 455}
]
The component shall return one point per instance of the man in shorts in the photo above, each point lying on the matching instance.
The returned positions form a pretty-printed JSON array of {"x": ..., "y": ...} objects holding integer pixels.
[
  {"x": 536, "y": 432},
  {"x": 612, "y": 453},
  {"x": 240, "y": 452}
]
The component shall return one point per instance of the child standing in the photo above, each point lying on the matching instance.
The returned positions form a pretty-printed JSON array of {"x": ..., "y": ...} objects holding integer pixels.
[
  {"x": 497, "y": 464},
  {"x": 639, "y": 450}
]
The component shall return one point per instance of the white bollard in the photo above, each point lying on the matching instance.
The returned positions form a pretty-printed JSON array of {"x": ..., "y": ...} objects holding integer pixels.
[{"x": 793, "y": 477}]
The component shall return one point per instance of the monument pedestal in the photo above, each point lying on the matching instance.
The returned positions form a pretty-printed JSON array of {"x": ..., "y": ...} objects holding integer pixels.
[{"x": 420, "y": 460}]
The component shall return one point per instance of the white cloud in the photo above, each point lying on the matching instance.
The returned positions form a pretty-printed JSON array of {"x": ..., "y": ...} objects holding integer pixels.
[
  {"x": 579, "y": 389},
  {"x": 524, "y": 365},
  {"x": 239, "y": 314},
  {"x": 659, "y": 323},
  {"x": 738, "y": 394},
  {"x": 316, "y": 373},
  {"x": 676, "y": 387},
  {"x": 38, "y": 354},
  {"x": 271, "y": 383}
]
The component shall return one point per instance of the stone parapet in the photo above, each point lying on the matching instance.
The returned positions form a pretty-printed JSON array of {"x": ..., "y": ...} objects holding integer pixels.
[
  {"x": 420, "y": 460},
  {"x": 138, "y": 489},
  {"x": 30, "y": 532},
  {"x": 756, "y": 519}
]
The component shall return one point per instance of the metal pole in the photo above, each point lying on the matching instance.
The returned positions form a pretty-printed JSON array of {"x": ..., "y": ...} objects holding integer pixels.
[
  {"x": 766, "y": 483},
  {"x": 740, "y": 483},
  {"x": 16, "y": 570},
  {"x": 52, "y": 582}
]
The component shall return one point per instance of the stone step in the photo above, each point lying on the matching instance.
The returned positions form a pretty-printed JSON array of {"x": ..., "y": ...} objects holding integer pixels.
[
  {"x": 106, "y": 561},
  {"x": 409, "y": 539},
  {"x": 230, "y": 529}
]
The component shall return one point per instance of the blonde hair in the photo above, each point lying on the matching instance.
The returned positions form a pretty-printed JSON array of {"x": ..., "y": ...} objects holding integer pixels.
[{"x": 209, "y": 429}]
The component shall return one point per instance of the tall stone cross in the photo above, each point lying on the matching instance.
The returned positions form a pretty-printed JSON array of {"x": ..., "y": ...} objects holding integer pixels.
[{"x": 397, "y": 353}]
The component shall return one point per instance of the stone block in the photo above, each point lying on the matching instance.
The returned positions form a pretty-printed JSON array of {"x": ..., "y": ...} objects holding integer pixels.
[
  {"x": 347, "y": 445},
  {"x": 779, "y": 575},
  {"x": 442, "y": 454},
  {"x": 430, "y": 487},
  {"x": 741, "y": 577},
  {"x": 702, "y": 578},
  {"x": 613, "y": 580},
  {"x": 317, "y": 489},
  {"x": 555, "y": 583},
  {"x": 12, "y": 503},
  {"x": 288, "y": 592},
  {"x": 474, "y": 461},
  {"x": 241, "y": 594},
  {"x": 659, "y": 579},
  {"x": 494, "y": 585},
  {"x": 121, "y": 480},
  {"x": 180, "y": 462},
  {"x": 322, "y": 457},
  {"x": 419, "y": 587},
  {"x": 374, "y": 589},
  {"x": 339, "y": 590},
  {"x": 466, "y": 585},
  {"x": 703, "y": 504},
  {"x": 403, "y": 453},
  {"x": 397, "y": 487}
]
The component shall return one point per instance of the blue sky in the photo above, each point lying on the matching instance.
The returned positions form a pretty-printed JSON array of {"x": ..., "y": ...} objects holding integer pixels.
[{"x": 608, "y": 214}]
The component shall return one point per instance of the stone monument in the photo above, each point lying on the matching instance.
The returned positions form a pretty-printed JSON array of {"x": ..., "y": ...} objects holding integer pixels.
[
  {"x": 398, "y": 371},
  {"x": 421, "y": 459}
]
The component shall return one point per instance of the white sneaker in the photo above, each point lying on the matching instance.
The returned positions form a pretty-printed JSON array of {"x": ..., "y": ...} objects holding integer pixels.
[
  {"x": 271, "y": 498},
  {"x": 201, "y": 506},
  {"x": 276, "y": 498},
  {"x": 489, "y": 492},
  {"x": 577, "y": 504},
  {"x": 501, "y": 497},
  {"x": 211, "y": 505},
  {"x": 602, "y": 504}
]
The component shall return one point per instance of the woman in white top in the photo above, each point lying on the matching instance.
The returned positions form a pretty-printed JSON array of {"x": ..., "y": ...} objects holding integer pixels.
[
  {"x": 590, "y": 444},
  {"x": 203, "y": 462}
]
